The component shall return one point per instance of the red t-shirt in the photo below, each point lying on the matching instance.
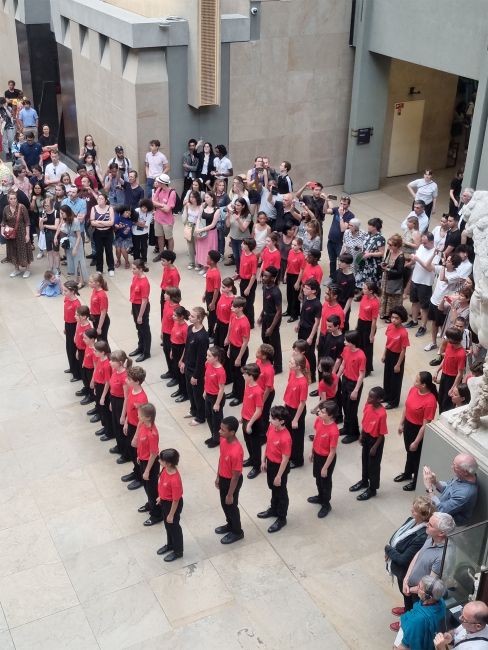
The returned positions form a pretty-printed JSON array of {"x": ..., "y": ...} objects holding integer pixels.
[
  {"x": 213, "y": 377},
  {"x": 239, "y": 328},
  {"x": 369, "y": 309},
  {"x": 139, "y": 289},
  {"x": 354, "y": 362},
  {"x": 147, "y": 442},
  {"x": 231, "y": 458},
  {"x": 314, "y": 272},
  {"x": 296, "y": 262},
  {"x": 296, "y": 391},
  {"x": 168, "y": 322},
  {"x": 330, "y": 391},
  {"x": 170, "y": 487},
  {"x": 454, "y": 360},
  {"x": 179, "y": 333},
  {"x": 70, "y": 307},
  {"x": 248, "y": 266},
  {"x": 329, "y": 311},
  {"x": 396, "y": 339},
  {"x": 89, "y": 358},
  {"x": 98, "y": 301},
  {"x": 266, "y": 378},
  {"x": 420, "y": 407},
  {"x": 374, "y": 422},
  {"x": 326, "y": 437},
  {"x": 80, "y": 329},
  {"x": 212, "y": 280},
  {"x": 271, "y": 259},
  {"x": 171, "y": 278},
  {"x": 223, "y": 308},
  {"x": 117, "y": 382},
  {"x": 278, "y": 444},
  {"x": 132, "y": 400},
  {"x": 103, "y": 371},
  {"x": 78, "y": 181},
  {"x": 253, "y": 398}
]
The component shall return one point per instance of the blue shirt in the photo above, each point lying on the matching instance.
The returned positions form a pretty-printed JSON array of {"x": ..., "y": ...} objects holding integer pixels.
[
  {"x": 458, "y": 499},
  {"x": 335, "y": 233},
  {"x": 115, "y": 196},
  {"x": 31, "y": 153},
  {"x": 120, "y": 232},
  {"x": 77, "y": 206},
  {"x": 28, "y": 117}
]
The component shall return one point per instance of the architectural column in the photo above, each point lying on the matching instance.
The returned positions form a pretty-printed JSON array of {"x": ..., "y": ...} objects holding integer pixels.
[{"x": 476, "y": 169}]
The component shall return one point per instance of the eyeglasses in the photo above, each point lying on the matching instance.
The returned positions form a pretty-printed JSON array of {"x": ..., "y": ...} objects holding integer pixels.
[
  {"x": 345, "y": 198},
  {"x": 461, "y": 618}
]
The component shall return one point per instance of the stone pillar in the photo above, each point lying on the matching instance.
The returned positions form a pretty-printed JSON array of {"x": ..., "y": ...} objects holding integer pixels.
[{"x": 476, "y": 169}]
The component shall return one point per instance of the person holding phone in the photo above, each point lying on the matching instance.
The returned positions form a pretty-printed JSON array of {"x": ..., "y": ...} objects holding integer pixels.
[
  {"x": 341, "y": 216},
  {"x": 315, "y": 200}
]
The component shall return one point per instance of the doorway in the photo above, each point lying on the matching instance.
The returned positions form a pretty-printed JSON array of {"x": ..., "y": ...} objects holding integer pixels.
[{"x": 405, "y": 138}]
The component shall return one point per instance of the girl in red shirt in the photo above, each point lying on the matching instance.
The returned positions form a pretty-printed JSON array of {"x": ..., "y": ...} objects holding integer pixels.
[
  {"x": 252, "y": 409},
  {"x": 171, "y": 277},
  {"x": 223, "y": 314},
  {"x": 264, "y": 355},
  {"x": 172, "y": 298},
  {"x": 118, "y": 394},
  {"x": 394, "y": 356},
  {"x": 178, "y": 340},
  {"x": 214, "y": 389},
  {"x": 89, "y": 338},
  {"x": 99, "y": 305},
  {"x": 83, "y": 323},
  {"x": 312, "y": 268},
  {"x": 270, "y": 256},
  {"x": 248, "y": 267},
  {"x": 324, "y": 455},
  {"x": 101, "y": 384},
  {"x": 170, "y": 490},
  {"x": 369, "y": 309},
  {"x": 139, "y": 298},
  {"x": 295, "y": 399},
  {"x": 328, "y": 383},
  {"x": 293, "y": 279},
  {"x": 453, "y": 365},
  {"x": 146, "y": 439},
  {"x": 135, "y": 398},
  {"x": 420, "y": 408},
  {"x": 353, "y": 369},
  {"x": 71, "y": 304},
  {"x": 238, "y": 341},
  {"x": 212, "y": 290},
  {"x": 276, "y": 464}
]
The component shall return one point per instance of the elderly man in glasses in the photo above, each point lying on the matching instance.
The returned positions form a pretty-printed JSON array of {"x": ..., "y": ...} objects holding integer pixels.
[
  {"x": 473, "y": 631},
  {"x": 341, "y": 216}
]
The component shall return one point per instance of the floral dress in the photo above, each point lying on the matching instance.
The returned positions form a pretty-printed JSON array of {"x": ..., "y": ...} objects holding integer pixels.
[
  {"x": 372, "y": 271},
  {"x": 354, "y": 246}
]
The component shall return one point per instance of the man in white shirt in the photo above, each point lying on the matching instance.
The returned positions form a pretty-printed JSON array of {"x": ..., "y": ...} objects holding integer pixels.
[
  {"x": 473, "y": 631},
  {"x": 223, "y": 166},
  {"x": 419, "y": 212},
  {"x": 422, "y": 282},
  {"x": 427, "y": 191},
  {"x": 54, "y": 170},
  {"x": 156, "y": 164},
  {"x": 465, "y": 268},
  {"x": 446, "y": 284}
]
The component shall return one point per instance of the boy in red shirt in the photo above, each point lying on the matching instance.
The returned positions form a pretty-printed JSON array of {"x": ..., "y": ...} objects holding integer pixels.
[
  {"x": 276, "y": 464},
  {"x": 372, "y": 440},
  {"x": 352, "y": 371},
  {"x": 324, "y": 455},
  {"x": 229, "y": 480},
  {"x": 312, "y": 268},
  {"x": 264, "y": 354},
  {"x": 452, "y": 367},
  {"x": 171, "y": 277},
  {"x": 293, "y": 279},
  {"x": 172, "y": 298},
  {"x": 130, "y": 419},
  {"x": 212, "y": 290},
  {"x": 397, "y": 342},
  {"x": 238, "y": 340},
  {"x": 252, "y": 409},
  {"x": 248, "y": 268},
  {"x": 146, "y": 440}
]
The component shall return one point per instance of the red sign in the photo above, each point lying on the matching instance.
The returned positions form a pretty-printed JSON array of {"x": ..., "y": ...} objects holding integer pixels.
[{"x": 398, "y": 108}]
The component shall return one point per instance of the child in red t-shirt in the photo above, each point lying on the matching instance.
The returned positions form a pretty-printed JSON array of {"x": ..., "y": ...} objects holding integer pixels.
[
  {"x": 270, "y": 256},
  {"x": 214, "y": 389},
  {"x": 89, "y": 339},
  {"x": 171, "y": 277},
  {"x": 295, "y": 399},
  {"x": 146, "y": 439},
  {"x": 229, "y": 480},
  {"x": 452, "y": 366},
  {"x": 82, "y": 315},
  {"x": 212, "y": 290},
  {"x": 248, "y": 268},
  {"x": 324, "y": 455},
  {"x": 178, "y": 336},
  {"x": 172, "y": 298},
  {"x": 170, "y": 490},
  {"x": 397, "y": 342},
  {"x": 237, "y": 339},
  {"x": 352, "y": 371},
  {"x": 130, "y": 418},
  {"x": 293, "y": 279},
  {"x": 252, "y": 409},
  {"x": 369, "y": 309},
  {"x": 100, "y": 383},
  {"x": 264, "y": 355},
  {"x": 71, "y": 304}
]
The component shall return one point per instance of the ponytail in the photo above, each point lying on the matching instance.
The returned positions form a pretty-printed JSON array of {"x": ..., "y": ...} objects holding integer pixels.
[
  {"x": 102, "y": 346},
  {"x": 140, "y": 264},
  {"x": 71, "y": 285},
  {"x": 373, "y": 286},
  {"x": 301, "y": 362},
  {"x": 326, "y": 364},
  {"x": 98, "y": 277},
  {"x": 229, "y": 282},
  {"x": 426, "y": 379},
  {"x": 84, "y": 312},
  {"x": 181, "y": 312},
  {"x": 215, "y": 351},
  {"x": 200, "y": 313},
  {"x": 121, "y": 357}
]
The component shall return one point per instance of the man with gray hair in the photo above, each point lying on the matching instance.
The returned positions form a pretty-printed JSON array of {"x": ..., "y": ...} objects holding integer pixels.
[
  {"x": 466, "y": 197},
  {"x": 419, "y": 212},
  {"x": 457, "y": 496},
  {"x": 473, "y": 631}
]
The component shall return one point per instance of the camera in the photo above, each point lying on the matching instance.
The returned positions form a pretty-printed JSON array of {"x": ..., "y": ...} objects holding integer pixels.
[{"x": 254, "y": 11}]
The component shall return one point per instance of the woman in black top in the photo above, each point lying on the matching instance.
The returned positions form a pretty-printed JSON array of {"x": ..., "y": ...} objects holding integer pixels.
[
  {"x": 102, "y": 220},
  {"x": 48, "y": 143},
  {"x": 193, "y": 365},
  {"x": 392, "y": 283},
  {"x": 49, "y": 223},
  {"x": 206, "y": 164},
  {"x": 455, "y": 191}
]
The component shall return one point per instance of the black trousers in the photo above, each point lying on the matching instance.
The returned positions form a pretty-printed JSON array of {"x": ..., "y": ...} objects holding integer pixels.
[
  {"x": 238, "y": 379},
  {"x": 167, "y": 350},
  {"x": 177, "y": 352},
  {"x": 279, "y": 493},
  {"x": 117, "y": 404},
  {"x": 408, "y": 601},
  {"x": 445, "y": 402},
  {"x": 346, "y": 327},
  {"x": 350, "y": 406},
  {"x": 139, "y": 246},
  {"x": 392, "y": 381},
  {"x": 265, "y": 415},
  {"x": 214, "y": 418},
  {"x": 304, "y": 333},
  {"x": 143, "y": 329},
  {"x": 187, "y": 185},
  {"x": 364, "y": 331},
  {"x": 253, "y": 442},
  {"x": 81, "y": 357},
  {"x": 151, "y": 488},
  {"x": 293, "y": 304},
  {"x": 86, "y": 375},
  {"x": 104, "y": 241},
  {"x": 71, "y": 349},
  {"x": 324, "y": 485},
  {"x": 174, "y": 534},
  {"x": 195, "y": 393},
  {"x": 371, "y": 465},
  {"x": 104, "y": 410},
  {"x": 212, "y": 315},
  {"x": 274, "y": 340},
  {"x": 219, "y": 335},
  {"x": 132, "y": 451},
  {"x": 297, "y": 435},
  {"x": 410, "y": 432},
  {"x": 231, "y": 512},
  {"x": 106, "y": 324},
  {"x": 249, "y": 311}
]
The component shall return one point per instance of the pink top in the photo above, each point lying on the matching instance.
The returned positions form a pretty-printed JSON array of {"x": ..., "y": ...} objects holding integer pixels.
[{"x": 166, "y": 197}]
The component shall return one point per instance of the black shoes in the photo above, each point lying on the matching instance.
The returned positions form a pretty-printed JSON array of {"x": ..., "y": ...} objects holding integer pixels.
[
  {"x": 104, "y": 438},
  {"x": 324, "y": 511},
  {"x": 247, "y": 463},
  {"x": 410, "y": 487},
  {"x": 367, "y": 494},
  {"x": 167, "y": 375},
  {"x": 100, "y": 432},
  {"x": 95, "y": 418},
  {"x": 144, "y": 508},
  {"x": 311, "y": 436},
  {"x": 176, "y": 393},
  {"x": 92, "y": 411},
  {"x": 358, "y": 486},
  {"x": 172, "y": 556},
  {"x": 212, "y": 444},
  {"x": 348, "y": 439},
  {"x": 135, "y": 353},
  {"x": 128, "y": 478},
  {"x": 254, "y": 472},
  {"x": 287, "y": 313},
  {"x": 315, "y": 499},
  {"x": 181, "y": 398},
  {"x": 295, "y": 465},
  {"x": 230, "y": 538},
  {"x": 73, "y": 379},
  {"x": 164, "y": 549},
  {"x": 80, "y": 393},
  {"x": 421, "y": 332},
  {"x": 135, "y": 485},
  {"x": 114, "y": 450},
  {"x": 292, "y": 319},
  {"x": 88, "y": 399},
  {"x": 229, "y": 395},
  {"x": 172, "y": 383},
  {"x": 314, "y": 393},
  {"x": 142, "y": 358},
  {"x": 412, "y": 323},
  {"x": 402, "y": 477},
  {"x": 121, "y": 460},
  {"x": 388, "y": 407},
  {"x": 278, "y": 525},
  {"x": 266, "y": 514},
  {"x": 222, "y": 530},
  {"x": 152, "y": 521},
  {"x": 67, "y": 372},
  {"x": 235, "y": 402}
]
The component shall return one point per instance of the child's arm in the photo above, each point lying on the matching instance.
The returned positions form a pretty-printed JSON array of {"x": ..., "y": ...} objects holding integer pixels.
[{"x": 42, "y": 287}]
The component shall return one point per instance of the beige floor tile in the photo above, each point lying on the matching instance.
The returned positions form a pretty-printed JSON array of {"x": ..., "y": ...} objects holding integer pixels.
[
  {"x": 26, "y": 431},
  {"x": 123, "y": 508},
  {"x": 30, "y": 399},
  {"x": 26, "y": 546},
  {"x": 170, "y": 640},
  {"x": 106, "y": 475},
  {"x": 60, "y": 492},
  {"x": 35, "y": 593},
  {"x": 229, "y": 628},
  {"x": 44, "y": 459},
  {"x": 49, "y": 372},
  {"x": 17, "y": 506},
  {"x": 19, "y": 375},
  {"x": 52, "y": 345},
  {"x": 6, "y": 641},
  {"x": 10, "y": 470},
  {"x": 67, "y": 629}
]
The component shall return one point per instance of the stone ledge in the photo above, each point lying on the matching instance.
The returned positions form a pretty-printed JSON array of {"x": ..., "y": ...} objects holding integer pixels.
[
  {"x": 30, "y": 12},
  {"x": 234, "y": 28}
]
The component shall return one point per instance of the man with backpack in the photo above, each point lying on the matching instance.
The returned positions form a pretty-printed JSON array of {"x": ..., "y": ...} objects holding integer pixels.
[
  {"x": 123, "y": 163},
  {"x": 164, "y": 201}
]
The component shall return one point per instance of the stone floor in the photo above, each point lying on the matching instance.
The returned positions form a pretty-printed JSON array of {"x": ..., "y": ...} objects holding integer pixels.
[{"x": 79, "y": 571}]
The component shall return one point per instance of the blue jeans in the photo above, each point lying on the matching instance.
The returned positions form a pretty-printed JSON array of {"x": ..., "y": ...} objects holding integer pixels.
[
  {"x": 237, "y": 251},
  {"x": 334, "y": 250},
  {"x": 220, "y": 235},
  {"x": 149, "y": 187}
]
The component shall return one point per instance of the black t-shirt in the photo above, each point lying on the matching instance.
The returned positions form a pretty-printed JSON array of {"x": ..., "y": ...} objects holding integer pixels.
[
  {"x": 346, "y": 284},
  {"x": 317, "y": 204},
  {"x": 333, "y": 345},
  {"x": 311, "y": 309},
  {"x": 47, "y": 141},
  {"x": 453, "y": 239},
  {"x": 283, "y": 217},
  {"x": 456, "y": 185},
  {"x": 272, "y": 299},
  {"x": 196, "y": 352},
  {"x": 11, "y": 94}
]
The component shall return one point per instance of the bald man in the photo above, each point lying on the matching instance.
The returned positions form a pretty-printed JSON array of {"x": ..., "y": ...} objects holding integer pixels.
[
  {"x": 473, "y": 631},
  {"x": 457, "y": 496}
]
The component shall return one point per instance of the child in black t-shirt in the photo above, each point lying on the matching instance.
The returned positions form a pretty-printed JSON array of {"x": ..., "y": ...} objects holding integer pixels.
[
  {"x": 308, "y": 325},
  {"x": 344, "y": 279}
]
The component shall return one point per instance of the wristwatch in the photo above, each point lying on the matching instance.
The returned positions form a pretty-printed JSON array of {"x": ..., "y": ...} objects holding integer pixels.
[{"x": 429, "y": 490}]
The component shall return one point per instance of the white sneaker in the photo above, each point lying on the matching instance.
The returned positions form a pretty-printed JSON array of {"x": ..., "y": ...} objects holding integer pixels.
[
  {"x": 191, "y": 266},
  {"x": 14, "y": 273},
  {"x": 430, "y": 346},
  {"x": 58, "y": 271},
  {"x": 26, "y": 274},
  {"x": 111, "y": 274},
  {"x": 40, "y": 255},
  {"x": 204, "y": 275},
  {"x": 198, "y": 268},
  {"x": 203, "y": 272}
]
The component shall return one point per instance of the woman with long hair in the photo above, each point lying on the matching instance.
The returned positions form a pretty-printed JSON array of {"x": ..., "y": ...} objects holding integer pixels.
[
  {"x": 191, "y": 213},
  {"x": 69, "y": 226},
  {"x": 392, "y": 282},
  {"x": 206, "y": 231},
  {"x": 19, "y": 251},
  {"x": 206, "y": 164},
  {"x": 89, "y": 147},
  {"x": 373, "y": 251},
  {"x": 102, "y": 220}
]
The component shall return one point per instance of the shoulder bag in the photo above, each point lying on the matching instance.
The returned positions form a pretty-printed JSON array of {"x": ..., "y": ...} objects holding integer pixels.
[{"x": 11, "y": 233}]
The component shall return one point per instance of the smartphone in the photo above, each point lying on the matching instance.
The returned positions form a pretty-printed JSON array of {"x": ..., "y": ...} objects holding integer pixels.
[
  {"x": 274, "y": 190},
  {"x": 332, "y": 197},
  {"x": 259, "y": 169},
  {"x": 311, "y": 185}
]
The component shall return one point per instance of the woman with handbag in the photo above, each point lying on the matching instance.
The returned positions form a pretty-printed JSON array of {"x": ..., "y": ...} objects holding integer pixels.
[
  {"x": 392, "y": 283},
  {"x": 16, "y": 230},
  {"x": 191, "y": 214},
  {"x": 71, "y": 242},
  {"x": 206, "y": 231}
]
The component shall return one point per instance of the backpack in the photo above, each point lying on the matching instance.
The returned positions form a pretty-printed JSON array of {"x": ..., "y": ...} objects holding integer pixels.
[{"x": 178, "y": 209}]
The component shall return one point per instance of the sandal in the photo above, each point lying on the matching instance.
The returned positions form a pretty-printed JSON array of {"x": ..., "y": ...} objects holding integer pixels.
[
  {"x": 127, "y": 265},
  {"x": 194, "y": 423},
  {"x": 117, "y": 264},
  {"x": 64, "y": 263},
  {"x": 81, "y": 285},
  {"x": 188, "y": 415}
]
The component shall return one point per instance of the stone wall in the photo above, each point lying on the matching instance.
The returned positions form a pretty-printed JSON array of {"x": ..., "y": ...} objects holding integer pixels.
[{"x": 9, "y": 59}]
